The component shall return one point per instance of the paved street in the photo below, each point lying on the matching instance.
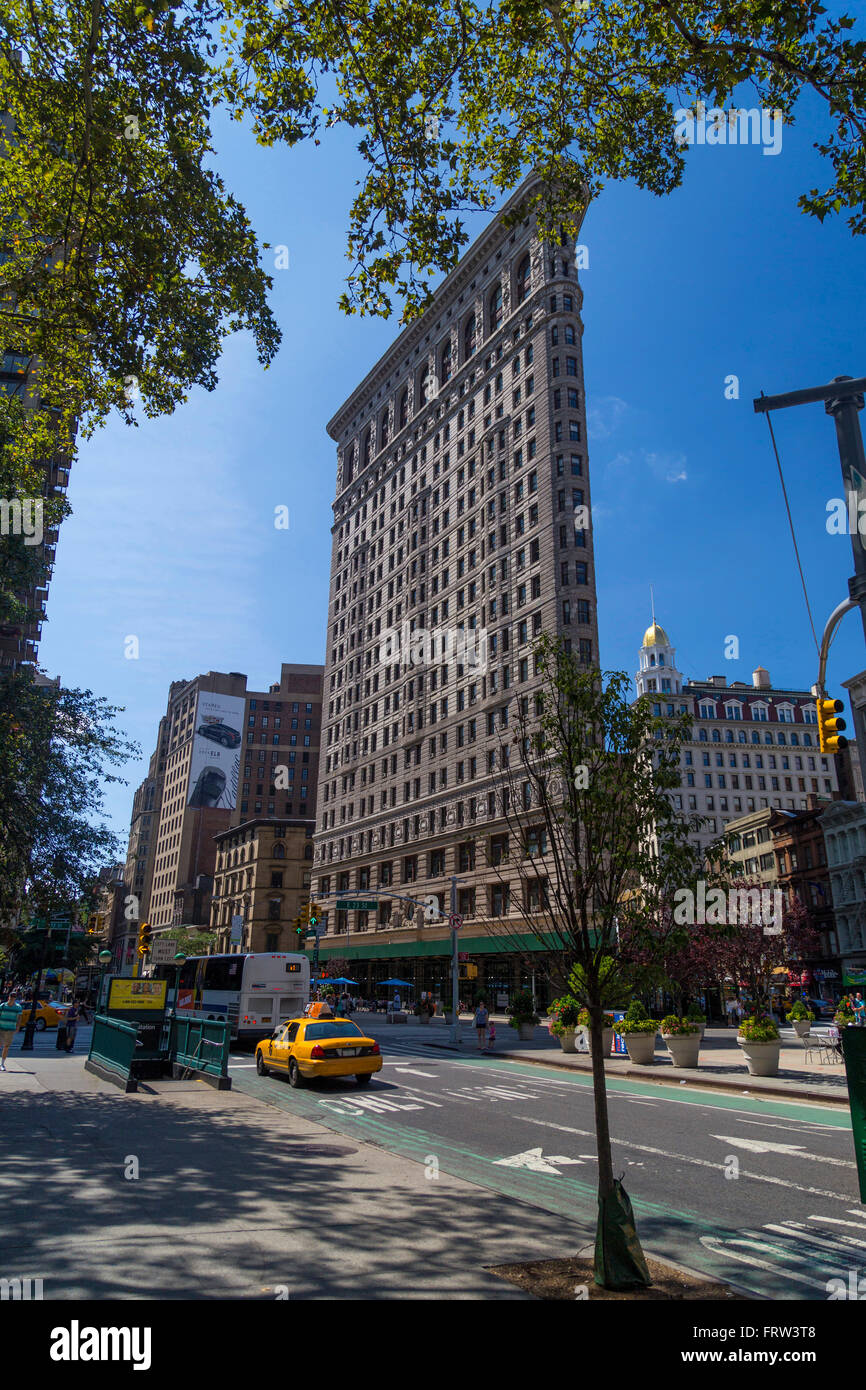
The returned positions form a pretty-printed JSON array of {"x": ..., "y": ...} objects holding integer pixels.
[{"x": 760, "y": 1191}]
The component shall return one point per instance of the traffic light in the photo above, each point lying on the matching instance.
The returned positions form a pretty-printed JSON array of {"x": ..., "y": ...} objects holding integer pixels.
[
  {"x": 92, "y": 924},
  {"x": 299, "y": 928},
  {"x": 144, "y": 939},
  {"x": 313, "y": 914},
  {"x": 830, "y": 727}
]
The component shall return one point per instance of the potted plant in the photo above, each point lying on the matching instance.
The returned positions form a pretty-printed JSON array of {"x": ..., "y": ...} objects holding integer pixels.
[
  {"x": 760, "y": 1041},
  {"x": 606, "y": 1032},
  {"x": 844, "y": 1015},
  {"x": 563, "y": 1014},
  {"x": 522, "y": 1015},
  {"x": 694, "y": 1015},
  {"x": 682, "y": 1039},
  {"x": 639, "y": 1032},
  {"x": 800, "y": 1019},
  {"x": 447, "y": 1009}
]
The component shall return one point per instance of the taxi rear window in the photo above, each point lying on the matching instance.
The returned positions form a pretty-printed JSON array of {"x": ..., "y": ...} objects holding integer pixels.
[{"x": 332, "y": 1030}]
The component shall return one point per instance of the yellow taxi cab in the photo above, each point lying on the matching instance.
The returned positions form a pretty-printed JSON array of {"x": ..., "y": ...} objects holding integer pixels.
[
  {"x": 46, "y": 1016},
  {"x": 305, "y": 1048}
]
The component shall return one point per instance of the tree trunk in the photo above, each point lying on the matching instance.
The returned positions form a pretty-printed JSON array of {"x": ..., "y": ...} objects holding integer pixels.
[{"x": 599, "y": 1093}]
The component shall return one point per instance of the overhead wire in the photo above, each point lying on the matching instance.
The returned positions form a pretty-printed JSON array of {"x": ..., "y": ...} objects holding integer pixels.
[{"x": 793, "y": 531}]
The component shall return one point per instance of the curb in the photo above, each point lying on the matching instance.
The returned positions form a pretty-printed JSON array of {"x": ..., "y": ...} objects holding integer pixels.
[{"x": 747, "y": 1083}]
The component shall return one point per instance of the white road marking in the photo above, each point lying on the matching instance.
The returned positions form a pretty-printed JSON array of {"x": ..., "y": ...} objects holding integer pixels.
[
  {"x": 810, "y": 1126},
  {"x": 410, "y": 1071},
  {"x": 837, "y": 1221},
  {"x": 764, "y": 1146},
  {"x": 686, "y": 1158},
  {"x": 724, "y": 1247},
  {"x": 533, "y": 1160},
  {"x": 798, "y": 1232},
  {"x": 240, "y": 1066}
]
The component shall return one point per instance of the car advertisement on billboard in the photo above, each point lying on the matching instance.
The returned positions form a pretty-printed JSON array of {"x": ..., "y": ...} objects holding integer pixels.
[{"x": 216, "y": 751}]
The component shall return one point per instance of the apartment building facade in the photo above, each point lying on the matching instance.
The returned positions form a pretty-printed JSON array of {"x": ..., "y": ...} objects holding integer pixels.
[
  {"x": 752, "y": 746},
  {"x": 461, "y": 531},
  {"x": 262, "y": 879},
  {"x": 225, "y": 757}
]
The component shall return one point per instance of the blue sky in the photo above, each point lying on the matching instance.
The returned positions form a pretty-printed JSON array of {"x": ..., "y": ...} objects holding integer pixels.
[{"x": 172, "y": 538}]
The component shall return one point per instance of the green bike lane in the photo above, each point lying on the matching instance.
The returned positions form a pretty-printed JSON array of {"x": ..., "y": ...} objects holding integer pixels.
[{"x": 779, "y": 1234}]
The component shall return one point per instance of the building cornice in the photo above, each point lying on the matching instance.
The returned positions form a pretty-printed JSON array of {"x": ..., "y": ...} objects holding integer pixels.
[{"x": 414, "y": 333}]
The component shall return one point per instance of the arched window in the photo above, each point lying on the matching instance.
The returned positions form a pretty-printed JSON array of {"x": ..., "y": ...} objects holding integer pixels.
[
  {"x": 308, "y": 851},
  {"x": 404, "y": 408},
  {"x": 368, "y": 446},
  {"x": 348, "y": 465},
  {"x": 523, "y": 276},
  {"x": 445, "y": 363},
  {"x": 423, "y": 380},
  {"x": 279, "y": 851},
  {"x": 383, "y": 429},
  {"x": 468, "y": 337},
  {"x": 495, "y": 304},
  {"x": 717, "y": 738}
]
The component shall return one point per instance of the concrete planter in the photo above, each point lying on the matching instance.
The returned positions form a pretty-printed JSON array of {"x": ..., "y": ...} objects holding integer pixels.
[
  {"x": 567, "y": 1040},
  {"x": 683, "y": 1047},
  {"x": 801, "y": 1026},
  {"x": 641, "y": 1047},
  {"x": 762, "y": 1058},
  {"x": 423, "y": 1018},
  {"x": 526, "y": 1031},
  {"x": 606, "y": 1041},
  {"x": 702, "y": 1027}
]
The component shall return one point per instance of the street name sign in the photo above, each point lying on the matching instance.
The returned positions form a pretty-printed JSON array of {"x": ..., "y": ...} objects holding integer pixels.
[{"x": 356, "y": 905}]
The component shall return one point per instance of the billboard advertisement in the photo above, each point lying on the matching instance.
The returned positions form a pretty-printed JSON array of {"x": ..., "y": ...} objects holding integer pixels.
[{"x": 216, "y": 750}]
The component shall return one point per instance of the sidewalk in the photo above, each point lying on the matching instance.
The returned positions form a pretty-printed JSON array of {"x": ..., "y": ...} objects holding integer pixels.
[
  {"x": 183, "y": 1192},
  {"x": 722, "y": 1065}
]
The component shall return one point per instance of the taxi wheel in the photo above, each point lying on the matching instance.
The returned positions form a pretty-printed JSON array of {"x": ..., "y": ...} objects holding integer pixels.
[
  {"x": 364, "y": 1078},
  {"x": 260, "y": 1065},
  {"x": 40, "y": 1025},
  {"x": 295, "y": 1078}
]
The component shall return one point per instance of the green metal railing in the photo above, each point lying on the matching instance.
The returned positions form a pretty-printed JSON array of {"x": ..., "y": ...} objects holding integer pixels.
[
  {"x": 199, "y": 1044},
  {"x": 112, "y": 1045}
]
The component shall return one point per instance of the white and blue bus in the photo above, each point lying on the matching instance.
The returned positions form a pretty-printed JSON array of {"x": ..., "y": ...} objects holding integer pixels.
[{"x": 255, "y": 993}]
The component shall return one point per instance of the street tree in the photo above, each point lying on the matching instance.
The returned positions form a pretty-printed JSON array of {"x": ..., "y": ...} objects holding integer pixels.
[
  {"x": 598, "y": 851},
  {"x": 453, "y": 103},
  {"x": 57, "y": 751}
]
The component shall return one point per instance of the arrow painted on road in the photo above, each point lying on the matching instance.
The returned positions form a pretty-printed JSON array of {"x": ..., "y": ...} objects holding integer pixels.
[
  {"x": 763, "y": 1146},
  {"x": 533, "y": 1160}
]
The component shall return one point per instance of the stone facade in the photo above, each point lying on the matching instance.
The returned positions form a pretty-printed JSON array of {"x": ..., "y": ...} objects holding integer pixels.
[
  {"x": 461, "y": 482},
  {"x": 752, "y": 746},
  {"x": 262, "y": 874},
  {"x": 844, "y": 826}
]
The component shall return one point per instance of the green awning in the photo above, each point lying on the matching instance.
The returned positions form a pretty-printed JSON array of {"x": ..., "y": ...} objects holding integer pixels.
[{"x": 472, "y": 945}]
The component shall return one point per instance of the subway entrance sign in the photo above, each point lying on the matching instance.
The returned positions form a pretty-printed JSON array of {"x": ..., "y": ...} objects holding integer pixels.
[
  {"x": 356, "y": 905},
  {"x": 141, "y": 1002}
]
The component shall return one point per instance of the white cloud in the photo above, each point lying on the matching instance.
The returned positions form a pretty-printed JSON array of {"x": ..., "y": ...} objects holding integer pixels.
[{"x": 604, "y": 415}]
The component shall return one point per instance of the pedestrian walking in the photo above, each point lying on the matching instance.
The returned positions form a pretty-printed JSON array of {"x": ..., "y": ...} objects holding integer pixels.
[
  {"x": 491, "y": 1035},
  {"x": 859, "y": 1007},
  {"x": 10, "y": 1013},
  {"x": 72, "y": 1025},
  {"x": 482, "y": 1020}
]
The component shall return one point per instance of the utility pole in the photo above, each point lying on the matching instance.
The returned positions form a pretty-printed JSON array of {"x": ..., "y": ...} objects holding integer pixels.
[{"x": 843, "y": 399}]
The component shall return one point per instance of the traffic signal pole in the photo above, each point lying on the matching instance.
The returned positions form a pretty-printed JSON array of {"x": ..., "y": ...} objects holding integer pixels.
[{"x": 843, "y": 399}]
